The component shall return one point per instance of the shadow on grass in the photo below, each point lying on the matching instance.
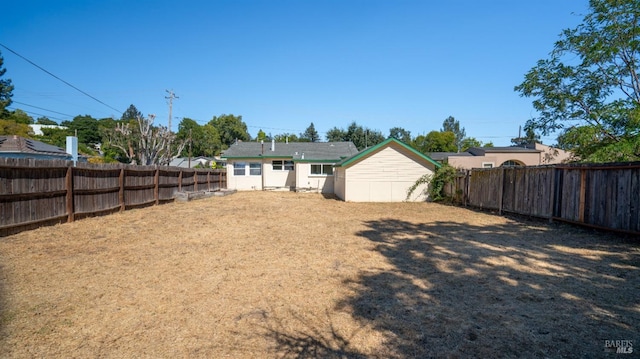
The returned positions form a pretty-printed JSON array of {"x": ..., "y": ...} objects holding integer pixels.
[
  {"x": 496, "y": 291},
  {"x": 309, "y": 341}
]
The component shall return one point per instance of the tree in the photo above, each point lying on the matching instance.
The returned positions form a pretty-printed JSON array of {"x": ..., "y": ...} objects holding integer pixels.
[
  {"x": 435, "y": 141},
  {"x": 204, "y": 140},
  {"x": 469, "y": 142},
  {"x": 530, "y": 136},
  {"x": 18, "y": 116},
  {"x": 8, "y": 127},
  {"x": 310, "y": 134},
  {"x": 144, "y": 143},
  {"x": 590, "y": 85},
  {"x": 401, "y": 134},
  {"x": 452, "y": 125},
  {"x": 230, "y": 128},
  {"x": 336, "y": 134},
  {"x": 131, "y": 113},
  {"x": 261, "y": 136},
  {"x": 286, "y": 137},
  {"x": 44, "y": 120},
  {"x": 6, "y": 89},
  {"x": 87, "y": 128}
]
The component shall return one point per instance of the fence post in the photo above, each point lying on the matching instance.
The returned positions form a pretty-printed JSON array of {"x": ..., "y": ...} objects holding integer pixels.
[
  {"x": 219, "y": 180},
  {"x": 583, "y": 189},
  {"x": 195, "y": 181},
  {"x": 156, "y": 185},
  {"x": 180, "y": 181},
  {"x": 501, "y": 191},
  {"x": 121, "y": 192},
  {"x": 69, "y": 185},
  {"x": 209, "y": 181},
  {"x": 552, "y": 198}
]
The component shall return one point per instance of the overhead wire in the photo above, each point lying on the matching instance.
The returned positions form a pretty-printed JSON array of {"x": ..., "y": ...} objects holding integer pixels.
[{"x": 58, "y": 78}]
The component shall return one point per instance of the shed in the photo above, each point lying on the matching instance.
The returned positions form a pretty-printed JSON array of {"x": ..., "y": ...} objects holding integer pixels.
[{"x": 383, "y": 173}]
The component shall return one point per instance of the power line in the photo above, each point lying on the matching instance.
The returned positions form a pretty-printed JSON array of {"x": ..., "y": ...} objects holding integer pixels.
[
  {"x": 58, "y": 78},
  {"x": 35, "y": 113},
  {"x": 40, "y": 108}
]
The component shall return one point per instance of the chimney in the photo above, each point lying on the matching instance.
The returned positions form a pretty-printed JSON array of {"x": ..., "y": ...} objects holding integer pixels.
[
  {"x": 262, "y": 145},
  {"x": 273, "y": 145}
]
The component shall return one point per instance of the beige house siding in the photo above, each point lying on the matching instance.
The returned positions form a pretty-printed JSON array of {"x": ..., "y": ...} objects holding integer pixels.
[
  {"x": 305, "y": 181},
  {"x": 245, "y": 182},
  {"x": 339, "y": 182},
  {"x": 384, "y": 176},
  {"x": 546, "y": 155},
  {"x": 278, "y": 179}
]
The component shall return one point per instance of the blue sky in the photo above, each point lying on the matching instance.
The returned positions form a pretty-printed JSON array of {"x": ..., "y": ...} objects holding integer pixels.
[{"x": 282, "y": 64}]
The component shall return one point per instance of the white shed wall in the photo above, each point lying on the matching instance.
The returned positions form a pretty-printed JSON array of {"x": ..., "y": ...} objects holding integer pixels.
[{"x": 385, "y": 176}]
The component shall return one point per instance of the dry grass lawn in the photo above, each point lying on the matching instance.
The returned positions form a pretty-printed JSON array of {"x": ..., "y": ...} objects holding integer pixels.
[{"x": 272, "y": 275}]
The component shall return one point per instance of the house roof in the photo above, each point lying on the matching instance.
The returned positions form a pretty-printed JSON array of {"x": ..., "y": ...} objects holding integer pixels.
[
  {"x": 17, "y": 144},
  {"x": 297, "y": 151},
  {"x": 482, "y": 151},
  {"x": 379, "y": 146}
]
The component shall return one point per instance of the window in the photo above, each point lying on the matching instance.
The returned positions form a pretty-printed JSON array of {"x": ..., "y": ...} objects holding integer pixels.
[
  {"x": 239, "y": 168},
  {"x": 322, "y": 170},
  {"x": 511, "y": 163},
  {"x": 487, "y": 164},
  {"x": 255, "y": 169},
  {"x": 279, "y": 165}
]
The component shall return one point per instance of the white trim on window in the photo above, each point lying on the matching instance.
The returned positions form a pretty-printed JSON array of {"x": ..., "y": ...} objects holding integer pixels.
[{"x": 488, "y": 164}]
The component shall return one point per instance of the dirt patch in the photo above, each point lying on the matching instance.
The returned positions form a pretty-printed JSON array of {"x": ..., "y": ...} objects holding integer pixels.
[{"x": 268, "y": 274}]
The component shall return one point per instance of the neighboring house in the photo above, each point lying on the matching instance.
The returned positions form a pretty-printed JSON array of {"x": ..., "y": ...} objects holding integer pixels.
[
  {"x": 383, "y": 173},
  {"x": 20, "y": 147},
  {"x": 37, "y": 128},
  {"x": 183, "y": 162},
  {"x": 299, "y": 166},
  {"x": 487, "y": 157}
]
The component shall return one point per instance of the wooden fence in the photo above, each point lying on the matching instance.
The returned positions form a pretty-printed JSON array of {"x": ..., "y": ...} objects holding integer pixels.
[
  {"x": 37, "y": 192},
  {"x": 605, "y": 196}
]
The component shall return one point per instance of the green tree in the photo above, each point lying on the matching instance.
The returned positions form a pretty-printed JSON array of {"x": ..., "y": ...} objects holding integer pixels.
[
  {"x": 9, "y": 127},
  {"x": 19, "y": 116},
  {"x": 452, "y": 125},
  {"x": 469, "y": 142},
  {"x": 336, "y": 134},
  {"x": 436, "y": 141},
  {"x": 44, "y": 120},
  {"x": 230, "y": 128},
  {"x": 87, "y": 128},
  {"x": 530, "y": 136},
  {"x": 204, "y": 140},
  {"x": 262, "y": 136},
  {"x": 286, "y": 137},
  {"x": 590, "y": 85},
  {"x": 6, "y": 89},
  {"x": 310, "y": 134},
  {"x": 401, "y": 134},
  {"x": 131, "y": 113}
]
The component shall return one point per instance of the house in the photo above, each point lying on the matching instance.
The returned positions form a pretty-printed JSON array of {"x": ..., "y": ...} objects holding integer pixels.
[
  {"x": 534, "y": 154},
  {"x": 383, "y": 173},
  {"x": 37, "y": 128},
  {"x": 298, "y": 166},
  {"x": 20, "y": 147},
  {"x": 198, "y": 161}
]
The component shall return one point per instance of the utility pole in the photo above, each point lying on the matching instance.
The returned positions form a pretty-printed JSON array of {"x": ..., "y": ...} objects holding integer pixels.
[{"x": 171, "y": 96}]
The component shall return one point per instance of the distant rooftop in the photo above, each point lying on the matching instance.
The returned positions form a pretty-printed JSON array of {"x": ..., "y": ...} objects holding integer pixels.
[
  {"x": 294, "y": 150},
  {"x": 17, "y": 144}
]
